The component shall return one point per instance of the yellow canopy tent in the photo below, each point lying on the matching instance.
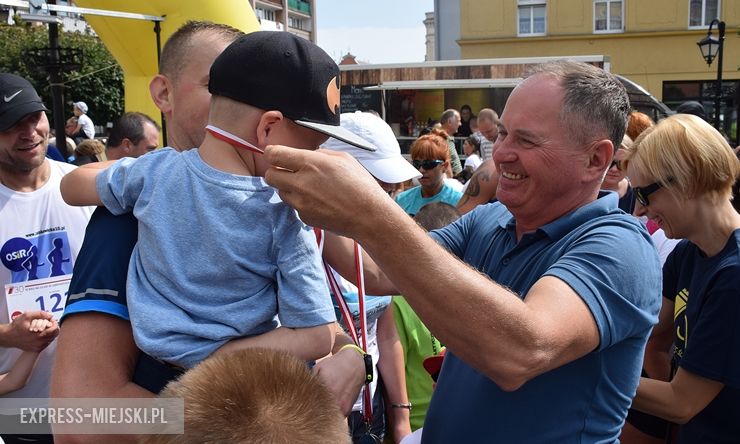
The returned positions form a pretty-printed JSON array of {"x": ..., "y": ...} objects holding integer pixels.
[{"x": 133, "y": 42}]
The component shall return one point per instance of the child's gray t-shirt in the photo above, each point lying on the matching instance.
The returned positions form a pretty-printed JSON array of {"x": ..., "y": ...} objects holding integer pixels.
[{"x": 219, "y": 256}]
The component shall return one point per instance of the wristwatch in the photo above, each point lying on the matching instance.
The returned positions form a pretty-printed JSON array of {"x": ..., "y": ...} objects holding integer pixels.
[{"x": 368, "y": 361}]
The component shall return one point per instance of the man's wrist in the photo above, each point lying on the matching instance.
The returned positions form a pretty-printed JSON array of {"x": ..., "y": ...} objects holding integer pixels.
[
  {"x": 364, "y": 230},
  {"x": 340, "y": 341},
  {"x": 367, "y": 360},
  {"x": 352, "y": 347}
]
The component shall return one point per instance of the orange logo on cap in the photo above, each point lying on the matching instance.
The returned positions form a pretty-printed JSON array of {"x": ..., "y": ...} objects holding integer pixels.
[{"x": 332, "y": 95}]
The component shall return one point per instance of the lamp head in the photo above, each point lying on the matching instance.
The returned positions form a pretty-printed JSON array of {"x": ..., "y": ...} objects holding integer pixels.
[{"x": 708, "y": 46}]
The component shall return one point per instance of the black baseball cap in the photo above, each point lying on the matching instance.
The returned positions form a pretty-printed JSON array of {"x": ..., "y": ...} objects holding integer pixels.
[
  {"x": 18, "y": 98},
  {"x": 276, "y": 70},
  {"x": 692, "y": 107}
]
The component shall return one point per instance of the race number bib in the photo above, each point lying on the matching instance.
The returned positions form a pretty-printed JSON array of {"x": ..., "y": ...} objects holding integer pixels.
[{"x": 48, "y": 294}]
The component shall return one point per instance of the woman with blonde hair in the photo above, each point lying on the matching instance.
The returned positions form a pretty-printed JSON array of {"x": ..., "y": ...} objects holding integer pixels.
[
  {"x": 431, "y": 156},
  {"x": 682, "y": 171}
]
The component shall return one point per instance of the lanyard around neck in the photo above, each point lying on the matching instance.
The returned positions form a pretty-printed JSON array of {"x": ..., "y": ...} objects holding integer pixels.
[
  {"x": 367, "y": 406},
  {"x": 232, "y": 139}
]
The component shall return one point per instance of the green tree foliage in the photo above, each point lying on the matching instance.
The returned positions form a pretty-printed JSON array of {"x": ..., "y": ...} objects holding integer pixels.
[{"x": 98, "y": 82}]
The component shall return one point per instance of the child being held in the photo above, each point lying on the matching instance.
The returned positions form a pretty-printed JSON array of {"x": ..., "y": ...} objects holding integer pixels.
[{"x": 220, "y": 258}]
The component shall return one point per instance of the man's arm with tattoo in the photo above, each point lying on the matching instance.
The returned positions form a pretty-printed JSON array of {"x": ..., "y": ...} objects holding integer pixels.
[{"x": 481, "y": 189}]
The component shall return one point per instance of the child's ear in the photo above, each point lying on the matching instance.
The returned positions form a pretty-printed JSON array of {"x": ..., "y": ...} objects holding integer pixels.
[{"x": 267, "y": 126}]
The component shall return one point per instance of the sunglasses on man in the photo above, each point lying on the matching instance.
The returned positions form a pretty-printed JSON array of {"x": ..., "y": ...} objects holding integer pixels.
[{"x": 427, "y": 164}]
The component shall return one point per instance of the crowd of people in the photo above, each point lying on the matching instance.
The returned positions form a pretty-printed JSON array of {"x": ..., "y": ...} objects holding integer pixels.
[{"x": 550, "y": 300}]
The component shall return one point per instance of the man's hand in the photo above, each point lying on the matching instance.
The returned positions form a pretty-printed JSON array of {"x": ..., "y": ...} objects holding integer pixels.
[
  {"x": 329, "y": 189},
  {"x": 344, "y": 374},
  {"x": 24, "y": 334}
]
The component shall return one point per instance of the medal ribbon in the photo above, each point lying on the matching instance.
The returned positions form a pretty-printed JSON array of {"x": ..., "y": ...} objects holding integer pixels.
[
  {"x": 367, "y": 406},
  {"x": 232, "y": 139}
]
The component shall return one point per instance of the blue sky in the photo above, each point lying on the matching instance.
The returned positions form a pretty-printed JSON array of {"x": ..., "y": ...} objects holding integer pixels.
[{"x": 376, "y": 31}]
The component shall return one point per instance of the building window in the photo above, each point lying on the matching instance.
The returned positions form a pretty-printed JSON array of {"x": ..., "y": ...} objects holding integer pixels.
[
  {"x": 704, "y": 92},
  {"x": 532, "y": 17},
  {"x": 265, "y": 14},
  {"x": 296, "y": 23},
  {"x": 702, "y": 12},
  {"x": 608, "y": 15}
]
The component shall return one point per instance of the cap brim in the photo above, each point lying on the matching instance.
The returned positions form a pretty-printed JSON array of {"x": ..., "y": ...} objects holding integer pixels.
[
  {"x": 338, "y": 133},
  {"x": 14, "y": 115},
  {"x": 391, "y": 169},
  {"x": 433, "y": 364}
]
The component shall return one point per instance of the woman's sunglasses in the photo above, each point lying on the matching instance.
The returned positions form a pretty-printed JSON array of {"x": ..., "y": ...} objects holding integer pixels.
[
  {"x": 427, "y": 164},
  {"x": 642, "y": 193}
]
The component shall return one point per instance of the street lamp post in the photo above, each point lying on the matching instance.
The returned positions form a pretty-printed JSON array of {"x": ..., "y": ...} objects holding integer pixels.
[{"x": 710, "y": 47}]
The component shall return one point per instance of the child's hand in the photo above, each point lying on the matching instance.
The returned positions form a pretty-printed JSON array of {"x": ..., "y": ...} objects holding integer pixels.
[
  {"x": 21, "y": 336},
  {"x": 39, "y": 325}
]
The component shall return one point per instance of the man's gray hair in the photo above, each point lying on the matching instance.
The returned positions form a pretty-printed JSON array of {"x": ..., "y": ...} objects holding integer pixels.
[
  {"x": 488, "y": 114},
  {"x": 447, "y": 115},
  {"x": 595, "y": 103}
]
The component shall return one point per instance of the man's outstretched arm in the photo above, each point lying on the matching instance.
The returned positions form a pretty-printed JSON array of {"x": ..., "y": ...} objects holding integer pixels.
[{"x": 526, "y": 337}]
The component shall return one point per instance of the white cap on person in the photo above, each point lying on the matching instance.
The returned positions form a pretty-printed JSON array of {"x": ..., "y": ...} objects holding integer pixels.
[
  {"x": 386, "y": 163},
  {"x": 82, "y": 106}
]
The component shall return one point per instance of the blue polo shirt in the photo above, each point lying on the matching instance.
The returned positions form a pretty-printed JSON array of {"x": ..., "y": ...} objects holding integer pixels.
[{"x": 607, "y": 257}]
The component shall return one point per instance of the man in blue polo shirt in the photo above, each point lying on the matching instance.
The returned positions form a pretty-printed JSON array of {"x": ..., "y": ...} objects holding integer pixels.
[{"x": 546, "y": 329}]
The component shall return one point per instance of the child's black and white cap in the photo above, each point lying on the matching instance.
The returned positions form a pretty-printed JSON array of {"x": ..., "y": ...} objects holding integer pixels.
[{"x": 276, "y": 70}]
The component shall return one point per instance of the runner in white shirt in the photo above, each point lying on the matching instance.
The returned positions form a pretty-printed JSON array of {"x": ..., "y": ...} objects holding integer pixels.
[{"x": 39, "y": 239}]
